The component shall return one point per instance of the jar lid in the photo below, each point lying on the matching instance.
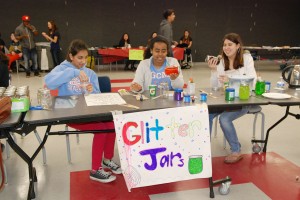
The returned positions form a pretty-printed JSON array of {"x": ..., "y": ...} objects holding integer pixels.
[
  {"x": 229, "y": 89},
  {"x": 178, "y": 90},
  {"x": 244, "y": 84}
]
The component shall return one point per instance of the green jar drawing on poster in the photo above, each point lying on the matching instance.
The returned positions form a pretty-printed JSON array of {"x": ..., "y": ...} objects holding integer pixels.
[{"x": 195, "y": 164}]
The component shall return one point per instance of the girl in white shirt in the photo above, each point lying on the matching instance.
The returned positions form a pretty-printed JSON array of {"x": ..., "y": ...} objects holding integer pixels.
[{"x": 233, "y": 61}]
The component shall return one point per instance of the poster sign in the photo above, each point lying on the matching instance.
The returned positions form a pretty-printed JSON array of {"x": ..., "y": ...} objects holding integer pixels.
[
  {"x": 162, "y": 146},
  {"x": 136, "y": 54}
]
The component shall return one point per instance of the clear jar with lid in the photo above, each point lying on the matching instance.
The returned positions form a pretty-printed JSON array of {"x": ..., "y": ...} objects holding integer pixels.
[
  {"x": 229, "y": 94},
  {"x": 178, "y": 94},
  {"x": 164, "y": 88},
  {"x": 260, "y": 86},
  {"x": 46, "y": 99},
  {"x": 244, "y": 91}
]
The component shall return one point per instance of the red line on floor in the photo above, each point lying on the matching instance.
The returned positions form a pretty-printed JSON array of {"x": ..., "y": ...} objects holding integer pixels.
[
  {"x": 270, "y": 172},
  {"x": 121, "y": 80}
]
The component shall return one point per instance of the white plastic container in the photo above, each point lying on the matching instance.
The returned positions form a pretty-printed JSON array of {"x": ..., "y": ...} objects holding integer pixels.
[{"x": 235, "y": 81}]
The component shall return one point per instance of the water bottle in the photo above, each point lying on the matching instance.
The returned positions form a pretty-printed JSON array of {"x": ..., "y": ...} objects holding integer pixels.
[{"x": 280, "y": 84}]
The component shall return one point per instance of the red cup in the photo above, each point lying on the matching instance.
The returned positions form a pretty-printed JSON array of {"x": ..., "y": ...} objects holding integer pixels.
[{"x": 171, "y": 70}]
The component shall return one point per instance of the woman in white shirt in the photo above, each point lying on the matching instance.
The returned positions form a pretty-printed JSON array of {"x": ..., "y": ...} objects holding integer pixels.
[{"x": 233, "y": 61}]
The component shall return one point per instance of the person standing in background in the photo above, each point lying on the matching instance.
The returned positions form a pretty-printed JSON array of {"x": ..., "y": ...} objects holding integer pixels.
[
  {"x": 166, "y": 29},
  {"x": 53, "y": 37},
  {"x": 25, "y": 33},
  {"x": 4, "y": 73},
  {"x": 2, "y": 44}
]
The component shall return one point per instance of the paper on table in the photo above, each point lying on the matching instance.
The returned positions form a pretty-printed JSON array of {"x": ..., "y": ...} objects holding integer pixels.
[
  {"x": 136, "y": 54},
  {"x": 103, "y": 99}
]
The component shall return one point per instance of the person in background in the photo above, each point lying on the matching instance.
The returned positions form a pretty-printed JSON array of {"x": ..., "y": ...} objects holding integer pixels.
[
  {"x": 153, "y": 35},
  {"x": 2, "y": 44},
  {"x": 125, "y": 43},
  {"x": 15, "y": 50},
  {"x": 234, "y": 61},
  {"x": 147, "y": 53},
  {"x": 4, "y": 78},
  {"x": 186, "y": 42},
  {"x": 166, "y": 29},
  {"x": 68, "y": 78},
  {"x": 4, "y": 73},
  {"x": 53, "y": 37},
  {"x": 152, "y": 71},
  {"x": 25, "y": 33}
]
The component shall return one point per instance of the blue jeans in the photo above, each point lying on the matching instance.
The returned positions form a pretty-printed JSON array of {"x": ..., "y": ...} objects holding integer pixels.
[
  {"x": 226, "y": 122},
  {"x": 27, "y": 55}
]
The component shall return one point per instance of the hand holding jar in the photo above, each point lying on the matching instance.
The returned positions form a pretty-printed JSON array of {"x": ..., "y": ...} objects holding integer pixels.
[{"x": 87, "y": 87}]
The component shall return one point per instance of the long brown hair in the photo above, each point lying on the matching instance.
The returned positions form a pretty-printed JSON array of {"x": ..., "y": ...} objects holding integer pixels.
[
  {"x": 53, "y": 27},
  {"x": 238, "y": 60}
]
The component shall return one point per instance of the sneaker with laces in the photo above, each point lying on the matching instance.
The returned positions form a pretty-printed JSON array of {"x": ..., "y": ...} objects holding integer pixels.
[
  {"x": 102, "y": 176},
  {"x": 110, "y": 164}
]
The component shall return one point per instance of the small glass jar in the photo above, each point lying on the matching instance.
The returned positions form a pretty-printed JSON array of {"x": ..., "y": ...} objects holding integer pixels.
[
  {"x": 46, "y": 99},
  {"x": 186, "y": 98},
  {"x": 244, "y": 91},
  {"x": 164, "y": 88},
  {"x": 178, "y": 94},
  {"x": 260, "y": 87},
  {"x": 203, "y": 97},
  {"x": 229, "y": 94},
  {"x": 268, "y": 86}
]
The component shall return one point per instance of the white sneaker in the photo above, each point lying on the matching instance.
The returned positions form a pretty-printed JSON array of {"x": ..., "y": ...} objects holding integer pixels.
[{"x": 110, "y": 164}]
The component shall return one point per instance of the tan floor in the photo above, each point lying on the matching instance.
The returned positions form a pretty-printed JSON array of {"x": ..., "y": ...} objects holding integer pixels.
[{"x": 53, "y": 178}]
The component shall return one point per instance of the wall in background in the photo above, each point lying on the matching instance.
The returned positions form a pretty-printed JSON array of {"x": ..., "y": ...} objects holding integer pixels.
[{"x": 102, "y": 22}]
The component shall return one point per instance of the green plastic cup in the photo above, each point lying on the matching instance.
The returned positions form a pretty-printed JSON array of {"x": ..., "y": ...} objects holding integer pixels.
[{"x": 152, "y": 90}]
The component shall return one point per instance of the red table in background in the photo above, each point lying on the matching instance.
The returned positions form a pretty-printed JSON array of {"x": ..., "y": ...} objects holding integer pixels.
[{"x": 115, "y": 54}]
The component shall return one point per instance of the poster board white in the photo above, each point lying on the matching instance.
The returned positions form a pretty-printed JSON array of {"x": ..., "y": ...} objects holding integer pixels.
[{"x": 162, "y": 146}]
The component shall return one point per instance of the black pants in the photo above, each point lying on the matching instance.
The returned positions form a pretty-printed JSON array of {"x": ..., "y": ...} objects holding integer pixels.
[{"x": 131, "y": 63}]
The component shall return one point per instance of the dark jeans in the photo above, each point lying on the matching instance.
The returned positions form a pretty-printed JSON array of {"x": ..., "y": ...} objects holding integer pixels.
[
  {"x": 30, "y": 54},
  {"x": 55, "y": 56},
  {"x": 129, "y": 62}
]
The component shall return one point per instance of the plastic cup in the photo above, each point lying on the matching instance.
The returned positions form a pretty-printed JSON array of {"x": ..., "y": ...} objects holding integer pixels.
[
  {"x": 152, "y": 90},
  {"x": 171, "y": 70}
]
